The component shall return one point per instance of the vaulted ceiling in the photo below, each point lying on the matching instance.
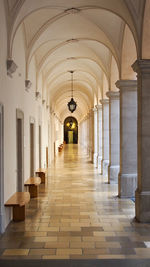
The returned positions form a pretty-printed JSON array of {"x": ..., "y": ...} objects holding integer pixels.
[{"x": 83, "y": 36}]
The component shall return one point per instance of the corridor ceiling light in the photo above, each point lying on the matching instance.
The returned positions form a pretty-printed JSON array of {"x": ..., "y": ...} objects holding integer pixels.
[
  {"x": 72, "y": 104},
  {"x": 70, "y": 124}
]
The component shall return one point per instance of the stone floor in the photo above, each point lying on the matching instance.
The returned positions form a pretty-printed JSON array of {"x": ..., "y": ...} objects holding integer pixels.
[{"x": 76, "y": 216}]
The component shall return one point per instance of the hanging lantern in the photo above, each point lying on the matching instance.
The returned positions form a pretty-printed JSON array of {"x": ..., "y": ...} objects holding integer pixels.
[{"x": 72, "y": 104}]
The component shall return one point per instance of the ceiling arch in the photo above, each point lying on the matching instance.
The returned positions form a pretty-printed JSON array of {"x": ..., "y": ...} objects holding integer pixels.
[{"x": 73, "y": 35}]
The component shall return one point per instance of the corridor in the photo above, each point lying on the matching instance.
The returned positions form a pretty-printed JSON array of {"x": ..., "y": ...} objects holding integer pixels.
[{"x": 76, "y": 216}]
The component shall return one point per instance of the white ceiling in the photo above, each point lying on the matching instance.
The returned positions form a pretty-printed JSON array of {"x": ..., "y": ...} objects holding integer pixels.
[{"x": 83, "y": 36}]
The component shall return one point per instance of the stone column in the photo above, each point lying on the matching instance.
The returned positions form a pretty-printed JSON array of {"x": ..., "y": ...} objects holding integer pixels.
[
  {"x": 105, "y": 136},
  {"x": 88, "y": 134},
  {"x": 91, "y": 133},
  {"x": 95, "y": 137},
  {"x": 127, "y": 178},
  {"x": 99, "y": 137},
  {"x": 114, "y": 136},
  {"x": 142, "y": 196}
]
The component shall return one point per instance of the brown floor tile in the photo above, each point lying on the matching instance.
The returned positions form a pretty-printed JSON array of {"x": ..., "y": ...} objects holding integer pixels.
[
  {"x": 42, "y": 252},
  {"x": 69, "y": 251},
  {"x": 82, "y": 245},
  {"x": 123, "y": 251},
  {"x": 32, "y": 245},
  {"x": 94, "y": 251},
  {"x": 107, "y": 245},
  {"x": 45, "y": 239},
  {"x": 57, "y": 244}
]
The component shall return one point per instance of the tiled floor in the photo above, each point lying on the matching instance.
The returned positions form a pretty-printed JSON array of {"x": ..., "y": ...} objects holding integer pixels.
[{"x": 77, "y": 216}]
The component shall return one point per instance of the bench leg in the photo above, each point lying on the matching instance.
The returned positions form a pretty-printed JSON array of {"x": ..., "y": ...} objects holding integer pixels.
[
  {"x": 33, "y": 190},
  {"x": 18, "y": 213},
  {"x": 42, "y": 176}
]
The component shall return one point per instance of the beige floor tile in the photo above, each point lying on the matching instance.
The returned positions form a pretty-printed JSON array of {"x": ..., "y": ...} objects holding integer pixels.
[
  {"x": 143, "y": 251},
  {"x": 42, "y": 252},
  {"x": 16, "y": 252},
  {"x": 48, "y": 229},
  {"x": 36, "y": 234},
  {"x": 75, "y": 199},
  {"x": 69, "y": 252},
  {"x": 104, "y": 233},
  {"x": 93, "y": 238},
  {"x": 111, "y": 256},
  {"x": 54, "y": 257}
]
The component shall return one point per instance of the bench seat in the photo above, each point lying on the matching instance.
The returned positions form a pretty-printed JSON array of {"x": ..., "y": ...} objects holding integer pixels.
[
  {"x": 33, "y": 183},
  {"x": 18, "y": 202}
]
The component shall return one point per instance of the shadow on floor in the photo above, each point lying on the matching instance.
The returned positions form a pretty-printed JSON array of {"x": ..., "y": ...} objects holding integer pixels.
[{"x": 76, "y": 263}]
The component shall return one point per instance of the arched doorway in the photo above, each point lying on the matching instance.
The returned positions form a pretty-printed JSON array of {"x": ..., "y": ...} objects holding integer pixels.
[{"x": 71, "y": 130}]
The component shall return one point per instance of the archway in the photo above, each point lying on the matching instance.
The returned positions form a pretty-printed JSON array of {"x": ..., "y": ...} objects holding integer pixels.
[{"x": 71, "y": 130}]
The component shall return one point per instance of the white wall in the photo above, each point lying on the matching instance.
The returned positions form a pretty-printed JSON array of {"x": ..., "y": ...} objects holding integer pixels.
[{"x": 13, "y": 96}]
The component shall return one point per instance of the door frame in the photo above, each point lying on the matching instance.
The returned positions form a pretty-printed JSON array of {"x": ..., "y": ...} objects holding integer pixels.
[
  {"x": 20, "y": 116},
  {"x": 2, "y": 221},
  {"x": 32, "y": 121},
  {"x": 40, "y": 146}
]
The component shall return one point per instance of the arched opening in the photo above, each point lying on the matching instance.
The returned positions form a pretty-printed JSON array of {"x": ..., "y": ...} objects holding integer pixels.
[{"x": 71, "y": 130}]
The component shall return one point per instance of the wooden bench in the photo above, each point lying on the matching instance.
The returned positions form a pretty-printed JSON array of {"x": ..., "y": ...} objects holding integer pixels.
[
  {"x": 60, "y": 148},
  {"x": 33, "y": 183},
  {"x": 42, "y": 174},
  {"x": 18, "y": 202}
]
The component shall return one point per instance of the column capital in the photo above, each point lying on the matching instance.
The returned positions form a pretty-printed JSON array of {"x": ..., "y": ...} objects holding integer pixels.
[
  {"x": 99, "y": 107},
  {"x": 141, "y": 65},
  {"x": 130, "y": 85},
  {"x": 94, "y": 109},
  {"x": 113, "y": 95},
  {"x": 104, "y": 101}
]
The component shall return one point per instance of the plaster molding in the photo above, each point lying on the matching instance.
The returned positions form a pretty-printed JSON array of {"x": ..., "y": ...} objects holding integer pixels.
[
  {"x": 141, "y": 66},
  {"x": 128, "y": 85},
  {"x": 104, "y": 101},
  {"x": 99, "y": 107},
  {"x": 94, "y": 109},
  {"x": 113, "y": 95}
]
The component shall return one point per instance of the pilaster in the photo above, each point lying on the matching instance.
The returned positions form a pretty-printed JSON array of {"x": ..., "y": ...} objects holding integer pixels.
[
  {"x": 95, "y": 137},
  {"x": 105, "y": 136},
  {"x": 142, "y": 196},
  {"x": 127, "y": 178},
  {"x": 99, "y": 137},
  {"x": 114, "y": 136}
]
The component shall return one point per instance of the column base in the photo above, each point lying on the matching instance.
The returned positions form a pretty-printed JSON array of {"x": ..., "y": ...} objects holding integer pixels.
[
  {"x": 91, "y": 155},
  {"x": 142, "y": 207},
  {"x": 105, "y": 164},
  {"x": 113, "y": 172},
  {"x": 99, "y": 164},
  {"x": 127, "y": 184},
  {"x": 95, "y": 159},
  {"x": 2, "y": 224}
]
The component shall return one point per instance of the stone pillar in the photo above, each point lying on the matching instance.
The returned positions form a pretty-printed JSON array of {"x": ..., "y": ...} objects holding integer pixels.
[
  {"x": 105, "y": 136},
  {"x": 88, "y": 136},
  {"x": 91, "y": 134},
  {"x": 142, "y": 196},
  {"x": 95, "y": 137},
  {"x": 99, "y": 137},
  {"x": 127, "y": 178},
  {"x": 114, "y": 136}
]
